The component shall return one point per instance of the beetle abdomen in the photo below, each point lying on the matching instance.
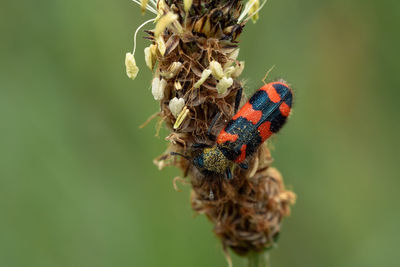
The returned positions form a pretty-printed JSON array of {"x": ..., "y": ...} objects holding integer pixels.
[{"x": 263, "y": 115}]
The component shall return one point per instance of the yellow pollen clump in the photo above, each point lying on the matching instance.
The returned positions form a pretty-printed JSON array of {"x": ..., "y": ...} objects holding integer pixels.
[{"x": 131, "y": 67}]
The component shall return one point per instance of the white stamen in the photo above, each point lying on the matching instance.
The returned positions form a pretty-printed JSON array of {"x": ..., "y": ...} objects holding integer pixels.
[
  {"x": 176, "y": 105},
  {"x": 224, "y": 84},
  {"x": 255, "y": 12},
  {"x": 158, "y": 87},
  {"x": 153, "y": 2},
  {"x": 131, "y": 67},
  {"x": 136, "y": 32},
  {"x": 246, "y": 10},
  {"x": 204, "y": 76},
  {"x": 216, "y": 69}
]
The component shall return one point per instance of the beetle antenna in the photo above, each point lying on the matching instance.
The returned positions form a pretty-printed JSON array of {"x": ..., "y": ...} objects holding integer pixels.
[
  {"x": 179, "y": 154},
  {"x": 266, "y": 74}
]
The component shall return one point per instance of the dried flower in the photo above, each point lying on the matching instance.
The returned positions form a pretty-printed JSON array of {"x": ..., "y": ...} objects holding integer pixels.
[
  {"x": 150, "y": 56},
  {"x": 234, "y": 55},
  {"x": 238, "y": 70},
  {"x": 232, "y": 58},
  {"x": 173, "y": 70},
  {"x": 161, "y": 45}
]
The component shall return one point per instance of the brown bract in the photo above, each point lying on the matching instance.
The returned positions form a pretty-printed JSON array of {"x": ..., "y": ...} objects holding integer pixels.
[{"x": 246, "y": 211}]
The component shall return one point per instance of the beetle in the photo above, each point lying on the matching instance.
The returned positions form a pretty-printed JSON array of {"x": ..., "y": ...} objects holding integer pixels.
[{"x": 261, "y": 116}]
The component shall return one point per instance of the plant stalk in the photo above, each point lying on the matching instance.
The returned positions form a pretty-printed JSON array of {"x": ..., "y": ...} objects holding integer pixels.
[{"x": 260, "y": 259}]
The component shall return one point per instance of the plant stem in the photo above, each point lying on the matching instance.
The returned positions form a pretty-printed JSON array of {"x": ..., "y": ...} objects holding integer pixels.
[{"x": 258, "y": 259}]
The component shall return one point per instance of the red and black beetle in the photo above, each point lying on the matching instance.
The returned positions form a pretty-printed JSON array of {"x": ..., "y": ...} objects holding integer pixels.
[{"x": 263, "y": 115}]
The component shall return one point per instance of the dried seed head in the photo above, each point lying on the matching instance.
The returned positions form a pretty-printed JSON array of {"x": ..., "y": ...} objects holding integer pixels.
[
  {"x": 196, "y": 39},
  {"x": 216, "y": 69},
  {"x": 158, "y": 88},
  {"x": 176, "y": 105},
  {"x": 131, "y": 67},
  {"x": 224, "y": 84}
]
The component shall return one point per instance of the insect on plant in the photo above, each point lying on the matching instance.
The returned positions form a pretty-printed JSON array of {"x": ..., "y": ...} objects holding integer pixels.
[{"x": 263, "y": 115}]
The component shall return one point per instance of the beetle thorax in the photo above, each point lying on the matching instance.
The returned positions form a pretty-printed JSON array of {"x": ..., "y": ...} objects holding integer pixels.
[{"x": 214, "y": 160}]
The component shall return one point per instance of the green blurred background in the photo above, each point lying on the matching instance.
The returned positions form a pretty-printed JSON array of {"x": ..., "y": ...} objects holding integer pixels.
[{"x": 77, "y": 183}]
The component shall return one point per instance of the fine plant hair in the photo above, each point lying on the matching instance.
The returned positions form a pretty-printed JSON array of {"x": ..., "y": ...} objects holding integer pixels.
[{"x": 193, "y": 55}]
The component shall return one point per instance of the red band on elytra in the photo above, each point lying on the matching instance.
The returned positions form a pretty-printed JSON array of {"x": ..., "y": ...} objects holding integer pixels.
[
  {"x": 272, "y": 93},
  {"x": 225, "y": 137},
  {"x": 249, "y": 113},
  {"x": 264, "y": 130},
  {"x": 242, "y": 155},
  {"x": 284, "y": 109}
]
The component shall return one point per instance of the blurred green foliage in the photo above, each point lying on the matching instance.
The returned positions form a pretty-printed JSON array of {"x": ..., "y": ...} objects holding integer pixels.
[{"x": 77, "y": 183}]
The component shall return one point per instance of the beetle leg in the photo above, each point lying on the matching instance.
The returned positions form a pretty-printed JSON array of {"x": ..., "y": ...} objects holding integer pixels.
[
  {"x": 238, "y": 98},
  {"x": 200, "y": 145},
  {"x": 244, "y": 166},
  {"x": 228, "y": 173},
  {"x": 179, "y": 154},
  {"x": 213, "y": 122}
]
